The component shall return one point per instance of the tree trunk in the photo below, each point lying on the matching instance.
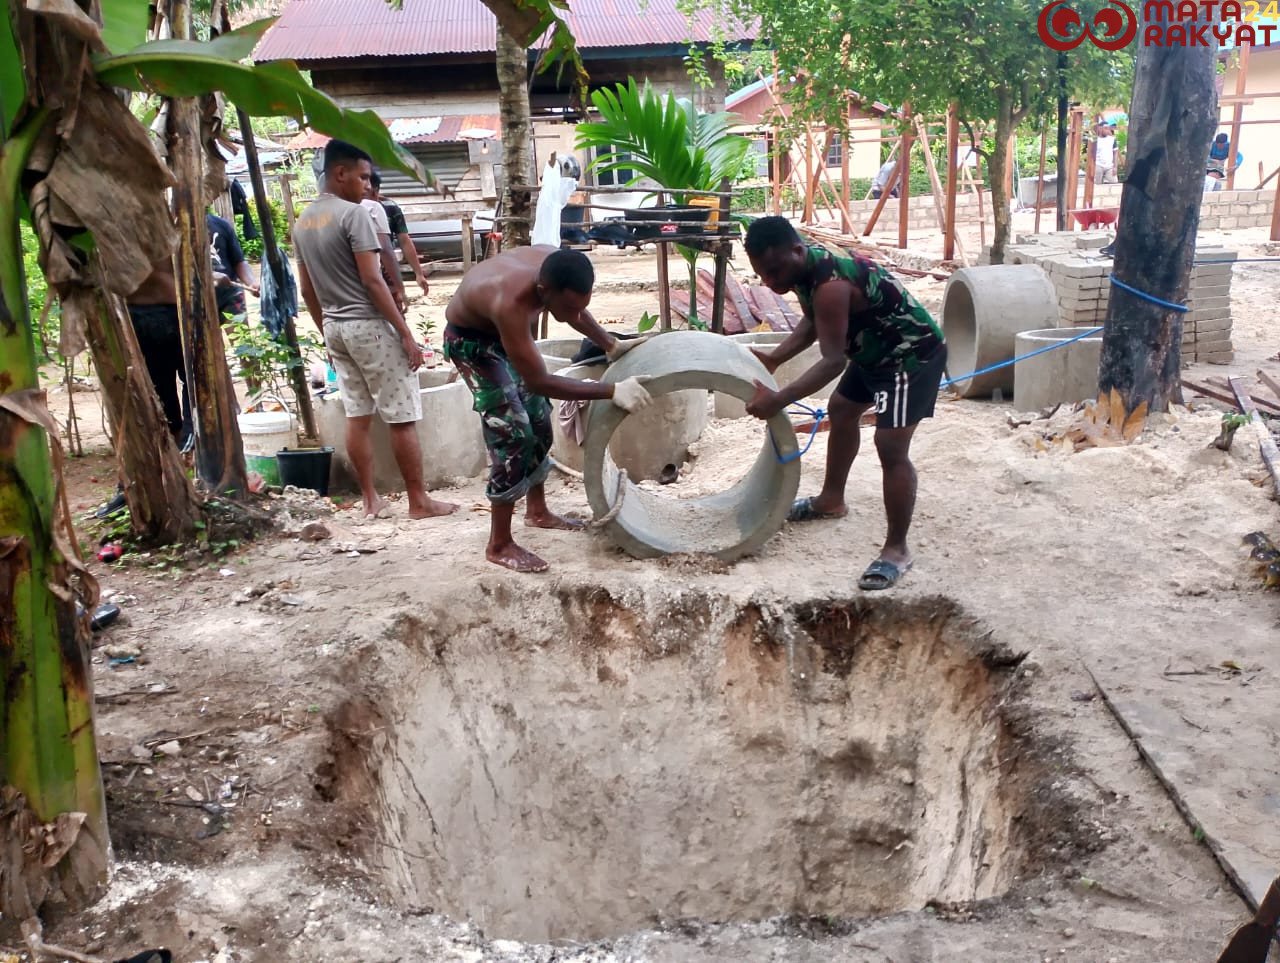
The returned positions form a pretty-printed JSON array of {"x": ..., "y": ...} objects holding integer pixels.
[
  {"x": 162, "y": 504},
  {"x": 1171, "y": 121},
  {"x": 48, "y": 759},
  {"x": 517, "y": 141},
  {"x": 219, "y": 451},
  {"x": 997, "y": 170}
]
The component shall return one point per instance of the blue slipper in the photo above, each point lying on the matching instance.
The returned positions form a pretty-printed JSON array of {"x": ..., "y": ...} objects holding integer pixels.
[
  {"x": 882, "y": 574},
  {"x": 803, "y": 510}
]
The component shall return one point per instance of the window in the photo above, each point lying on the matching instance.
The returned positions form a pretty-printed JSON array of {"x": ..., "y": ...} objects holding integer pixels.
[
  {"x": 613, "y": 178},
  {"x": 835, "y": 153}
]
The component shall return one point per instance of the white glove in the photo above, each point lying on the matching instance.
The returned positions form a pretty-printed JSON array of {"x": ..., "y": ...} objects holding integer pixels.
[
  {"x": 621, "y": 347},
  {"x": 630, "y": 395}
]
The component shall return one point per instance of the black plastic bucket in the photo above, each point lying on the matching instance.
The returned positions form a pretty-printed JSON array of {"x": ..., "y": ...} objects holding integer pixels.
[{"x": 305, "y": 467}]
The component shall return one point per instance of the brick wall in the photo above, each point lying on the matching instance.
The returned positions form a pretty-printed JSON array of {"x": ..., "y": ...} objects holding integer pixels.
[
  {"x": 1080, "y": 279},
  {"x": 1220, "y": 211}
]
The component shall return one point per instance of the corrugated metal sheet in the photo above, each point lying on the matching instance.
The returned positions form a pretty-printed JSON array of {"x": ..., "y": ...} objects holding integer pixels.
[
  {"x": 448, "y": 162},
  {"x": 339, "y": 29},
  {"x": 407, "y": 130}
]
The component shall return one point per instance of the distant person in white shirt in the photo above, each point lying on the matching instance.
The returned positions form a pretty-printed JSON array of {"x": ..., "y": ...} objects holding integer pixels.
[
  {"x": 882, "y": 178},
  {"x": 1104, "y": 165}
]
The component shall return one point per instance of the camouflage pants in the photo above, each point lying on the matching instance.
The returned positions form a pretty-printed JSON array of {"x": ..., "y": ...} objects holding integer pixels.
[{"x": 517, "y": 423}]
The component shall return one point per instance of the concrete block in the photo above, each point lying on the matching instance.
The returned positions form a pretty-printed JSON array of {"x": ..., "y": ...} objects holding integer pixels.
[
  {"x": 730, "y": 524},
  {"x": 1063, "y": 376},
  {"x": 449, "y": 433},
  {"x": 1224, "y": 358},
  {"x": 1203, "y": 305},
  {"x": 983, "y": 309},
  {"x": 1209, "y": 289}
]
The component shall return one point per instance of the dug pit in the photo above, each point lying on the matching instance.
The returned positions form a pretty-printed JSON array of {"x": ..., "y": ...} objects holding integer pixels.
[{"x": 574, "y": 764}]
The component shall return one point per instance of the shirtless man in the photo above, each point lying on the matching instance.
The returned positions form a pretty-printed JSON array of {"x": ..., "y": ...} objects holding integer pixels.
[
  {"x": 490, "y": 338},
  {"x": 153, "y": 309}
]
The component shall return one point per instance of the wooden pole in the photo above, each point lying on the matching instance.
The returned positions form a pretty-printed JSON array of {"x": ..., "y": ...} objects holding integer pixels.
[
  {"x": 982, "y": 217},
  {"x": 1090, "y": 170},
  {"x": 807, "y": 216},
  {"x": 468, "y": 242},
  {"x": 949, "y": 240},
  {"x": 1237, "y": 115},
  {"x": 904, "y": 190},
  {"x": 1275, "y": 214},
  {"x": 953, "y": 160},
  {"x": 275, "y": 264},
  {"x": 286, "y": 196},
  {"x": 722, "y": 264},
  {"x": 1073, "y": 161},
  {"x": 890, "y": 184},
  {"x": 664, "y": 278},
  {"x": 1044, "y": 153},
  {"x": 777, "y": 164},
  {"x": 846, "y": 145}
]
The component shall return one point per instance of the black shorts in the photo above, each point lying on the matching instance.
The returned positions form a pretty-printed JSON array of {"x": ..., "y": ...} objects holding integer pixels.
[{"x": 900, "y": 399}]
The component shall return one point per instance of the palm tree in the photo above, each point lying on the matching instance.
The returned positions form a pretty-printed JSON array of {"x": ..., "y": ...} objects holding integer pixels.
[{"x": 664, "y": 139}]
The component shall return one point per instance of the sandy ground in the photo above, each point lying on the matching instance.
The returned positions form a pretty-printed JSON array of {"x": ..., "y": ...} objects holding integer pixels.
[{"x": 1125, "y": 563}]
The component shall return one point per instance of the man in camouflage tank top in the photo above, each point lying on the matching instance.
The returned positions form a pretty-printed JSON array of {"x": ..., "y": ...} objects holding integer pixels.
[{"x": 892, "y": 354}]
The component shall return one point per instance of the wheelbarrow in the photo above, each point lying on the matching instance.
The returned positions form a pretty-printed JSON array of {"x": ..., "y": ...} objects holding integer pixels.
[{"x": 1090, "y": 217}]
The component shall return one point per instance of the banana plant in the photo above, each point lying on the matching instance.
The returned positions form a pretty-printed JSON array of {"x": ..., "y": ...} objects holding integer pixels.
[
  {"x": 77, "y": 164},
  {"x": 664, "y": 139}
]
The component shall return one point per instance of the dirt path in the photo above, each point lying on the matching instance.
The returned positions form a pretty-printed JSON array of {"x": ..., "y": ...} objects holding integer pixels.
[{"x": 260, "y": 836}]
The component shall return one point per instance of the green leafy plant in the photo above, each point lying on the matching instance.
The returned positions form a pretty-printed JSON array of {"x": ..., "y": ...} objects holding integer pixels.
[
  {"x": 664, "y": 139},
  {"x": 647, "y": 322},
  {"x": 266, "y": 362},
  {"x": 252, "y": 247}
]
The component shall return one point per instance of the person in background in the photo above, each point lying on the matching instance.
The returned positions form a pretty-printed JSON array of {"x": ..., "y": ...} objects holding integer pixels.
[
  {"x": 882, "y": 178},
  {"x": 1104, "y": 160},
  {"x": 231, "y": 272},
  {"x": 373, "y": 350},
  {"x": 400, "y": 232},
  {"x": 386, "y": 256}
]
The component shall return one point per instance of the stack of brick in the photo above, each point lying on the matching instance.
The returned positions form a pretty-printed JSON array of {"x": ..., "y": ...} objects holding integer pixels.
[
  {"x": 1081, "y": 280},
  {"x": 1206, "y": 328}
]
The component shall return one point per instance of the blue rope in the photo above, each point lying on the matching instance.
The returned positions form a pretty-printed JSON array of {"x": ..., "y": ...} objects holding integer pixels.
[
  {"x": 818, "y": 415},
  {"x": 1181, "y": 308},
  {"x": 1023, "y": 357}
]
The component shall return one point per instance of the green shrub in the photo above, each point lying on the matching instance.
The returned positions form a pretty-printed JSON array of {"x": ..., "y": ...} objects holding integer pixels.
[{"x": 253, "y": 248}]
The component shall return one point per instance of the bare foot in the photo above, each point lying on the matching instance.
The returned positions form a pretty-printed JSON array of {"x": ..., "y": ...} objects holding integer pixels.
[
  {"x": 433, "y": 509},
  {"x": 517, "y": 559},
  {"x": 554, "y": 522},
  {"x": 376, "y": 509}
]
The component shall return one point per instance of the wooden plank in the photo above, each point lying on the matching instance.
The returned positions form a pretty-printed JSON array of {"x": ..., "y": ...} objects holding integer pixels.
[
  {"x": 722, "y": 267},
  {"x": 1237, "y": 115},
  {"x": 948, "y": 226},
  {"x": 764, "y": 308},
  {"x": 1266, "y": 443},
  {"x": 1265, "y": 404},
  {"x": 1220, "y": 394},
  {"x": 1270, "y": 382},
  {"x": 789, "y": 317},
  {"x": 741, "y": 310}
]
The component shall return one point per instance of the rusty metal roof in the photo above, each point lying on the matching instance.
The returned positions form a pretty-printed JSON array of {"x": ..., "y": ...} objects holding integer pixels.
[
  {"x": 310, "y": 30},
  {"x": 419, "y": 130}
]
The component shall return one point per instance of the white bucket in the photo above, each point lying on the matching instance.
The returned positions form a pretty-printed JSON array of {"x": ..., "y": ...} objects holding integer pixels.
[{"x": 264, "y": 433}]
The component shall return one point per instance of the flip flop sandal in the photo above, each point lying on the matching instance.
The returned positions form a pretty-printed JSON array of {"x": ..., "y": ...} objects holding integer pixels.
[
  {"x": 803, "y": 510},
  {"x": 882, "y": 574}
]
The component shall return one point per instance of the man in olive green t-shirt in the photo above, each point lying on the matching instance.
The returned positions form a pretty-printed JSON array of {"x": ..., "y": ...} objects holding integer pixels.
[{"x": 369, "y": 342}]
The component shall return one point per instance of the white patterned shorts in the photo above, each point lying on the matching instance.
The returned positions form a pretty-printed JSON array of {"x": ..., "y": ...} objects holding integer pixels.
[{"x": 373, "y": 373}]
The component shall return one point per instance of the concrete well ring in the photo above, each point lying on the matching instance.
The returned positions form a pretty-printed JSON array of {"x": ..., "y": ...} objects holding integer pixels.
[{"x": 728, "y": 524}]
